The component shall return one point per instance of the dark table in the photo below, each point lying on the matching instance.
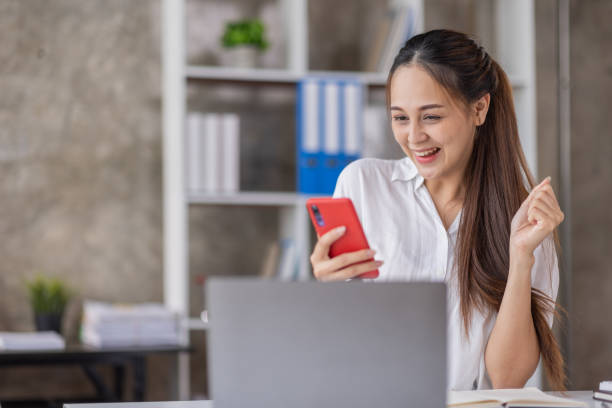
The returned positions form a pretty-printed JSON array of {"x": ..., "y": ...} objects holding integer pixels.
[{"x": 87, "y": 358}]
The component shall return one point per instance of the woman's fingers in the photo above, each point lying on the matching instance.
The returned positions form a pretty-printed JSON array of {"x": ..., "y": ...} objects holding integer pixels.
[
  {"x": 525, "y": 204},
  {"x": 338, "y": 267},
  {"x": 349, "y": 258},
  {"x": 545, "y": 199},
  {"x": 544, "y": 220},
  {"x": 352, "y": 271},
  {"x": 543, "y": 183},
  {"x": 551, "y": 194},
  {"x": 542, "y": 206},
  {"x": 321, "y": 249}
]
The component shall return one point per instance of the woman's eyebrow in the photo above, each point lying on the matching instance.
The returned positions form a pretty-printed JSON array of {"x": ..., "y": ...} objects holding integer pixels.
[
  {"x": 422, "y": 108},
  {"x": 431, "y": 106}
]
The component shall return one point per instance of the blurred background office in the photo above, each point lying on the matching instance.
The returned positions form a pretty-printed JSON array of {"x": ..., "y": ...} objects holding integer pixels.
[{"x": 84, "y": 112}]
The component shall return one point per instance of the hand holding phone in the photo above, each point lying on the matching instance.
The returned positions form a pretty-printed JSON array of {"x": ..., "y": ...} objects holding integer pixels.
[{"x": 342, "y": 251}]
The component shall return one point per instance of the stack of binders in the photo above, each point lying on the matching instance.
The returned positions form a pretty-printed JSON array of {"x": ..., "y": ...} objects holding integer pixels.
[
  {"x": 213, "y": 152},
  {"x": 604, "y": 393},
  {"x": 329, "y": 131}
]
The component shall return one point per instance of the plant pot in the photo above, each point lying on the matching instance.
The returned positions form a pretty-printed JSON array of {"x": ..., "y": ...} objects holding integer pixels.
[
  {"x": 48, "y": 322},
  {"x": 240, "y": 57}
]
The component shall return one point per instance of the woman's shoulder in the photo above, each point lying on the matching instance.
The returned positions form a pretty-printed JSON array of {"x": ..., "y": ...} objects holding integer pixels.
[
  {"x": 369, "y": 168},
  {"x": 368, "y": 174}
]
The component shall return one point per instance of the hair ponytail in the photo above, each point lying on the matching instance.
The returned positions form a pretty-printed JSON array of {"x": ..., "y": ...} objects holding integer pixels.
[{"x": 497, "y": 179}]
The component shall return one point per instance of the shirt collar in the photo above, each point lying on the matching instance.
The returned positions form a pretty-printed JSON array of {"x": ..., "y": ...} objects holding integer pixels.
[{"x": 405, "y": 170}]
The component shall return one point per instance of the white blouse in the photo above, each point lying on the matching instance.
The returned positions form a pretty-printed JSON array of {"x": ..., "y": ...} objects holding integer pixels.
[{"x": 402, "y": 224}]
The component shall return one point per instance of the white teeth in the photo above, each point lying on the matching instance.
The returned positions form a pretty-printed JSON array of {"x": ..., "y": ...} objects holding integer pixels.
[{"x": 426, "y": 153}]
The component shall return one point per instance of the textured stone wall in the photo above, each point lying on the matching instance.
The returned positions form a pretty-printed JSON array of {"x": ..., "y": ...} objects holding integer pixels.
[
  {"x": 80, "y": 158},
  {"x": 591, "y": 127}
]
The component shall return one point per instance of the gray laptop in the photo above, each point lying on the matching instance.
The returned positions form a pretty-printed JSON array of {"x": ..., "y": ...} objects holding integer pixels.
[{"x": 314, "y": 345}]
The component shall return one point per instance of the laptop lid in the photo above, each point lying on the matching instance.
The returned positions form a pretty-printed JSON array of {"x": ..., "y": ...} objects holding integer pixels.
[{"x": 279, "y": 344}]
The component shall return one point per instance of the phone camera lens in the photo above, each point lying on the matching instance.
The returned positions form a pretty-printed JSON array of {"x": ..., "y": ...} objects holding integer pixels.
[{"x": 317, "y": 215}]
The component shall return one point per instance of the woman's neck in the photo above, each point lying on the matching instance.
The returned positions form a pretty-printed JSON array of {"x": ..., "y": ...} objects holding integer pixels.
[
  {"x": 447, "y": 190},
  {"x": 448, "y": 196}
]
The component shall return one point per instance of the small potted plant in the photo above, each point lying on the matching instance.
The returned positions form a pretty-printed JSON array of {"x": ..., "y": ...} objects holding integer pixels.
[
  {"x": 48, "y": 297},
  {"x": 243, "y": 41}
]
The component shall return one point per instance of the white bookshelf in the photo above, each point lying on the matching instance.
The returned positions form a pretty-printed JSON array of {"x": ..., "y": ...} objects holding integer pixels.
[
  {"x": 195, "y": 323},
  {"x": 274, "y": 199},
  {"x": 279, "y": 76},
  {"x": 514, "y": 30}
]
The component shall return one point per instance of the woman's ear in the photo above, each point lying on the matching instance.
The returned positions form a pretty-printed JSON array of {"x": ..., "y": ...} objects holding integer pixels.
[{"x": 480, "y": 109}]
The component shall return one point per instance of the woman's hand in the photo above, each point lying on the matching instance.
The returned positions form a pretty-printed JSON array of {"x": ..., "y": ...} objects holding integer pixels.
[
  {"x": 537, "y": 217},
  {"x": 341, "y": 267}
]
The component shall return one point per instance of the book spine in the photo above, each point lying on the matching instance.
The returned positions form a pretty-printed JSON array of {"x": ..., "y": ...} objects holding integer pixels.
[
  {"x": 194, "y": 140},
  {"x": 331, "y": 160},
  {"x": 353, "y": 120},
  {"x": 308, "y": 144},
  {"x": 287, "y": 261},
  {"x": 211, "y": 152},
  {"x": 231, "y": 153}
]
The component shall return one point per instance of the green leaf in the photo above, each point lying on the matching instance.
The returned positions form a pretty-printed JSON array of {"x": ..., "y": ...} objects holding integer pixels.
[
  {"x": 47, "y": 295},
  {"x": 244, "y": 32}
]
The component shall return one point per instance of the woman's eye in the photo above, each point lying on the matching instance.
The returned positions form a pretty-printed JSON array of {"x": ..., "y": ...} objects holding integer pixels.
[
  {"x": 432, "y": 117},
  {"x": 400, "y": 118}
]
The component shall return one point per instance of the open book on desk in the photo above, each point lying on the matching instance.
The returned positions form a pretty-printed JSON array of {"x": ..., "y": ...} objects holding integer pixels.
[{"x": 509, "y": 398}]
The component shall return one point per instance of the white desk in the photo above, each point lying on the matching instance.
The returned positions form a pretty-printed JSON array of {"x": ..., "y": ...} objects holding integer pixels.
[
  {"x": 586, "y": 396},
  {"x": 165, "y": 404}
]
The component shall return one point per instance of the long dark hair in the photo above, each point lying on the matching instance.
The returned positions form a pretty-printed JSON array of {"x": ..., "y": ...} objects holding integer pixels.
[{"x": 496, "y": 178}]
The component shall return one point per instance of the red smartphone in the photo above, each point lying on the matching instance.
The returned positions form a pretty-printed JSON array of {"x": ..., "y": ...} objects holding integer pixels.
[{"x": 328, "y": 213}]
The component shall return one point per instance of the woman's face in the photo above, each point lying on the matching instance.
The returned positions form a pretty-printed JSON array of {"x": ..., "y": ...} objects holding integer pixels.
[{"x": 433, "y": 129}]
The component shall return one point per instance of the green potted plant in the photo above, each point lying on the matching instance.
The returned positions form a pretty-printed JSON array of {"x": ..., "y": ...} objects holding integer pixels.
[
  {"x": 48, "y": 298},
  {"x": 243, "y": 40}
]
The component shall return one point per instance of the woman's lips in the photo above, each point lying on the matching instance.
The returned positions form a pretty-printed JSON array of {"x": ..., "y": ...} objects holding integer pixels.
[{"x": 429, "y": 158}]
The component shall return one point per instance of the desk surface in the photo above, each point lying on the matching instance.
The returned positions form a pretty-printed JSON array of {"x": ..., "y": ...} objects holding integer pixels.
[
  {"x": 80, "y": 352},
  {"x": 585, "y": 396}
]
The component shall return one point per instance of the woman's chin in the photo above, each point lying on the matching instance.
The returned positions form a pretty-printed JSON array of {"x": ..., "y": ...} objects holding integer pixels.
[{"x": 427, "y": 173}]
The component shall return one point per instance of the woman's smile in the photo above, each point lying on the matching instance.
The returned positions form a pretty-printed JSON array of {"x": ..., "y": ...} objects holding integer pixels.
[{"x": 426, "y": 156}]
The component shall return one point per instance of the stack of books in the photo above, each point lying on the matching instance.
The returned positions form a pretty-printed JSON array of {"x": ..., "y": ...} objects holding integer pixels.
[
  {"x": 146, "y": 324},
  {"x": 402, "y": 20},
  {"x": 604, "y": 393},
  {"x": 47, "y": 340}
]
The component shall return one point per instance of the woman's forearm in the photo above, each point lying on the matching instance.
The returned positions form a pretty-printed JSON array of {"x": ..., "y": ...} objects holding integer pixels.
[{"x": 512, "y": 352}]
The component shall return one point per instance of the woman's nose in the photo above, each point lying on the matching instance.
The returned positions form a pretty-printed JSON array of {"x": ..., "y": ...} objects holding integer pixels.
[{"x": 416, "y": 133}]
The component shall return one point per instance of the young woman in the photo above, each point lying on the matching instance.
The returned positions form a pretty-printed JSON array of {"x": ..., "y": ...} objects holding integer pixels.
[{"x": 457, "y": 209}]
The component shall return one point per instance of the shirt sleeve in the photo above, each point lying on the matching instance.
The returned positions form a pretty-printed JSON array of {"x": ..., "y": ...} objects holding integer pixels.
[{"x": 545, "y": 271}]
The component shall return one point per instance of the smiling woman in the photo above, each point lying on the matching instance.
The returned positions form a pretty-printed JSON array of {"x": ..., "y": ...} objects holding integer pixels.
[
  {"x": 458, "y": 208},
  {"x": 430, "y": 125}
]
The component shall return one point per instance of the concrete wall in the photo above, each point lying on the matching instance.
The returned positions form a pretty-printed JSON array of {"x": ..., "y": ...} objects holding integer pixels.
[
  {"x": 80, "y": 158},
  {"x": 591, "y": 127}
]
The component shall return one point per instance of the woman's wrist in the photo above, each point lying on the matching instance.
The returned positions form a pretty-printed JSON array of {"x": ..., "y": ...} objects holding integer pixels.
[{"x": 521, "y": 259}]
